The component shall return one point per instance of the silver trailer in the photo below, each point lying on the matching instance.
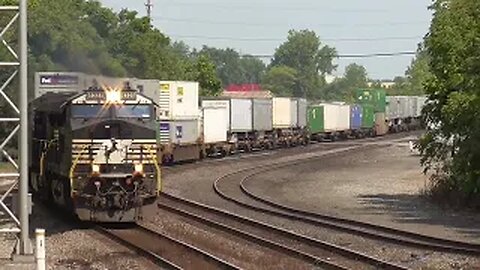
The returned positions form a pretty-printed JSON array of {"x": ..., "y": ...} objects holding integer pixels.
[{"x": 262, "y": 114}]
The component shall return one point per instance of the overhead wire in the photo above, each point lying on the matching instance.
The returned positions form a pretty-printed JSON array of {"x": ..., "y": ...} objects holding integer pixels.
[
  {"x": 282, "y": 39},
  {"x": 370, "y": 55},
  {"x": 266, "y": 24}
]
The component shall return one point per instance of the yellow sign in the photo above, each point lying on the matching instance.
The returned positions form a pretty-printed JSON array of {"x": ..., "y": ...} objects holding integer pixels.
[
  {"x": 180, "y": 91},
  {"x": 165, "y": 87}
]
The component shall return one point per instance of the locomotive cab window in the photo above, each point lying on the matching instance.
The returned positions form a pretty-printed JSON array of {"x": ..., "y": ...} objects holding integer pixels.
[
  {"x": 89, "y": 111},
  {"x": 133, "y": 111}
]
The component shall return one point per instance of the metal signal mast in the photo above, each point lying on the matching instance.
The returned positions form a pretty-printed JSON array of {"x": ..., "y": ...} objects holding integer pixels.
[{"x": 149, "y": 5}]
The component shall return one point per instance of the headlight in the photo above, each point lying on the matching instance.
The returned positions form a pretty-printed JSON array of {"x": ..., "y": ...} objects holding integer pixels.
[
  {"x": 95, "y": 168},
  {"x": 139, "y": 168}
]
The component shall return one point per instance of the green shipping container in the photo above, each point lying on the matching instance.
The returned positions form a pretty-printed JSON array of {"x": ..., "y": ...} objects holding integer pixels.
[
  {"x": 368, "y": 116},
  {"x": 375, "y": 97},
  {"x": 315, "y": 119}
]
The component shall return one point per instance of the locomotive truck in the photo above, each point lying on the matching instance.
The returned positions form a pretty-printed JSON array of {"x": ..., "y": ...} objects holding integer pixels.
[{"x": 95, "y": 153}]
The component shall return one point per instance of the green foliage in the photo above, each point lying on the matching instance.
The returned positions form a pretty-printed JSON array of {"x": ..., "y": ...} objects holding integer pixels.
[
  {"x": 416, "y": 76},
  {"x": 233, "y": 68},
  {"x": 355, "y": 76},
  {"x": 281, "y": 81},
  {"x": 204, "y": 73},
  {"x": 451, "y": 146},
  {"x": 304, "y": 53}
]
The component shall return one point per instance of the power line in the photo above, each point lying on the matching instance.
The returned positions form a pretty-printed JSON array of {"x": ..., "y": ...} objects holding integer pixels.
[
  {"x": 201, "y": 21},
  {"x": 275, "y": 8},
  {"x": 282, "y": 39},
  {"x": 371, "y": 55}
]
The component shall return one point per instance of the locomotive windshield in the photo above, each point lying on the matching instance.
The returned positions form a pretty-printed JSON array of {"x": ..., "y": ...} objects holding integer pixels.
[
  {"x": 133, "y": 111},
  {"x": 120, "y": 111},
  {"x": 89, "y": 111}
]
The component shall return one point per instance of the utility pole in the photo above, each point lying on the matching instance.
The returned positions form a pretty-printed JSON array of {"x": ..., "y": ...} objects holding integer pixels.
[
  {"x": 149, "y": 6},
  {"x": 25, "y": 245},
  {"x": 17, "y": 68}
]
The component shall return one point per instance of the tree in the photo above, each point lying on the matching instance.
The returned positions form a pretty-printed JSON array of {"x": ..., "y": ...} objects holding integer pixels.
[
  {"x": 253, "y": 69},
  {"x": 281, "y": 81},
  {"x": 451, "y": 146},
  {"x": 355, "y": 76},
  {"x": 304, "y": 53},
  {"x": 204, "y": 73}
]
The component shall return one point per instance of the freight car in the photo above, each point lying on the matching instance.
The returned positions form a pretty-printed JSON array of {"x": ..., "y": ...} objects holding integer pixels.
[
  {"x": 246, "y": 124},
  {"x": 233, "y": 124},
  {"x": 333, "y": 121},
  {"x": 95, "y": 153},
  {"x": 178, "y": 118}
]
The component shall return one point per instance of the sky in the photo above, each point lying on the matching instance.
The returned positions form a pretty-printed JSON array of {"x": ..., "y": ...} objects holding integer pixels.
[{"x": 258, "y": 27}]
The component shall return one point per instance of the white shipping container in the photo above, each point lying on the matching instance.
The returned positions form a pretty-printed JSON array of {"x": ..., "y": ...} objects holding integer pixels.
[
  {"x": 302, "y": 112},
  {"x": 421, "y": 101},
  {"x": 216, "y": 120},
  {"x": 184, "y": 131},
  {"x": 285, "y": 112},
  {"x": 241, "y": 115},
  {"x": 336, "y": 117},
  {"x": 262, "y": 114},
  {"x": 392, "y": 109},
  {"x": 177, "y": 99}
]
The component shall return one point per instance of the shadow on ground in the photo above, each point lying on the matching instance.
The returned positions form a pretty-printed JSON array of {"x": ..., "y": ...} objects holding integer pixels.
[{"x": 416, "y": 209}]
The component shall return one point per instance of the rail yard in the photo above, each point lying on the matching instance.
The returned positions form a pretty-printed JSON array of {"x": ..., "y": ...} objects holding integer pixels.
[
  {"x": 127, "y": 148},
  {"x": 272, "y": 196}
]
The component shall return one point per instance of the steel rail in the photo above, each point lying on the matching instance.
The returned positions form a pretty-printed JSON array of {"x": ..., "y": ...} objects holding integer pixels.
[
  {"x": 343, "y": 252},
  {"x": 351, "y": 226},
  {"x": 159, "y": 239},
  {"x": 411, "y": 238}
]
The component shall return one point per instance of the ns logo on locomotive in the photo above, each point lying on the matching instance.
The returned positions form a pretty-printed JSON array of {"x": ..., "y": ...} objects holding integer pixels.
[{"x": 95, "y": 153}]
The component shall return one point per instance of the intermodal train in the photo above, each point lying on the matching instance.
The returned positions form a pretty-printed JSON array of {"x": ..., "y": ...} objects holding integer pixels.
[
  {"x": 94, "y": 152},
  {"x": 97, "y": 143}
]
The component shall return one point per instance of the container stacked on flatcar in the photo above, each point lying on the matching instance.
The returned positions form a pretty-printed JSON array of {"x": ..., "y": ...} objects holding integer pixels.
[
  {"x": 374, "y": 100},
  {"x": 178, "y": 117},
  {"x": 330, "y": 121},
  {"x": 404, "y": 112},
  {"x": 290, "y": 121}
]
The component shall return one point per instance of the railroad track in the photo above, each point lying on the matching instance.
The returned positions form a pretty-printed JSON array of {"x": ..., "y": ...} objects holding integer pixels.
[
  {"x": 260, "y": 155},
  {"x": 313, "y": 252},
  {"x": 230, "y": 188},
  {"x": 163, "y": 250}
]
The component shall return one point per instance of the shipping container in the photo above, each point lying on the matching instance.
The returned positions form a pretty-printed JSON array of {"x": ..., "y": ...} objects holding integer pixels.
[
  {"x": 421, "y": 102},
  {"x": 177, "y": 99},
  {"x": 355, "y": 116},
  {"x": 374, "y": 97},
  {"x": 262, "y": 114},
  {"x": 412, "y": 106},
  {"x": 241, "y": 115},
  {"x": 381, "y": 127},
  {"x": 328, "y": 117},
  {"x": 368, "y": 116},
  {"x": 316, "y": 119},
  {"x": 285, "y": 113},
  {"x": 393, "y": 108},
  {"x": 302, "y": 112},
  {"x": 184, "y": 131},
  {"x": 216, "y": 120}
]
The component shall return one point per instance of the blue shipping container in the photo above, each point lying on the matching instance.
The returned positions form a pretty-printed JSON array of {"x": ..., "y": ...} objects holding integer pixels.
[{"x": 355, "y": 116}]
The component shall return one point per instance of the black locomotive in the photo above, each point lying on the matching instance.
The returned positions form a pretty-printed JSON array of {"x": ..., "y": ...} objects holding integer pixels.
[{"x": 95, "y": 153}]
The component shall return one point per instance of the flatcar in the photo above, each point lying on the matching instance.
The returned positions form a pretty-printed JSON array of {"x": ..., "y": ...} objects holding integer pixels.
[{"x": 95, "y": 153}]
